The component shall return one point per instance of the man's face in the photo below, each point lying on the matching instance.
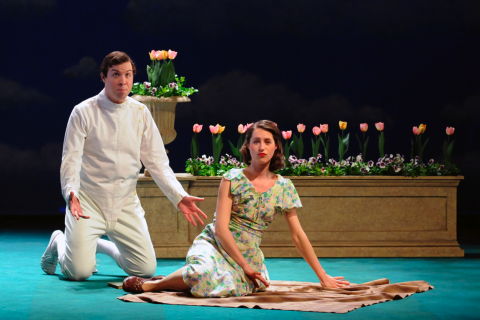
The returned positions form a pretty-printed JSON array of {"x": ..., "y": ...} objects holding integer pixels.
[{"x": 118, "y": 82}]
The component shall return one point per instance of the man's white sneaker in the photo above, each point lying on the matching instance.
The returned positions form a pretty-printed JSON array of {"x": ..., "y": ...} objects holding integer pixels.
[{"x": 50, "y": 256}]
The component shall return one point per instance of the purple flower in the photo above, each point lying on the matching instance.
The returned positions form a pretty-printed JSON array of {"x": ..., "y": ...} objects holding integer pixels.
[
  {"x": 173, "y": 85},
  {"x": 370, "y": 163},
  {"x": 147, "y": 85}
]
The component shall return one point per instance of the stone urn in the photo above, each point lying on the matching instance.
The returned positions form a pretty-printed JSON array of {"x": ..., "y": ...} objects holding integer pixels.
[{"x": 163, "y": 112}]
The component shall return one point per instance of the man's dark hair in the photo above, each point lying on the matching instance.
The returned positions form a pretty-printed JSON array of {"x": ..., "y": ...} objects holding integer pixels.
[{"x": 115, "y": 58}]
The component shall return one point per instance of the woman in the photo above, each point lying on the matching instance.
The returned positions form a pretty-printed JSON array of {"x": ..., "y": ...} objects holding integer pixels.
[{"x": 225, "y": 259}]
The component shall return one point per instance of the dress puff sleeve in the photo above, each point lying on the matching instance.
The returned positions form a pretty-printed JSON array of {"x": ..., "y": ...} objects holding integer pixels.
[
  {"x": 290, "y": 197},
  {"x": 238, "y": 185}
]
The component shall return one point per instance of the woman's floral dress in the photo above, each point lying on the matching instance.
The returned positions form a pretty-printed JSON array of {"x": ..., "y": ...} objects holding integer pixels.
[{"x": 209, "y": 270}]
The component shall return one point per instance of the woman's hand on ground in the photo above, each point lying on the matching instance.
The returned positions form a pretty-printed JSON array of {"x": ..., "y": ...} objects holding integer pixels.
[
  {"x": 254, "y": 276},
  {"x": 334, "y": 282}
]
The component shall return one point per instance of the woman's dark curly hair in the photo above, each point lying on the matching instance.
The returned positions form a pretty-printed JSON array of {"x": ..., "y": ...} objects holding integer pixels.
[{"x": 278, "y": 160}]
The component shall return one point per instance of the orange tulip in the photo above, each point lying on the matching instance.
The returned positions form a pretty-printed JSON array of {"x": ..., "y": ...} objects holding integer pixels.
[
  {"x": 324, "y": 127},
  {"x": 364, "y": 127},
  {"x": 162, "y": 55}
]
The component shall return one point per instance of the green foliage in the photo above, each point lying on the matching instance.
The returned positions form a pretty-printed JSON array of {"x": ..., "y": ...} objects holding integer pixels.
[
  {"x": 315, "y": 146},
  {"x": 297, "y": 145},
  {"x": 448, "y": 149},
  {"x": 381, "y": 144},
  {"x": 326, "y": 145},
  {"x": 205, "y": 166},
  {"x": 194, "y": 149},
  {"x": 343, "y": 143},
  {"x": 390, "y": 165},
  {"x": 173, "y": 88},
  {"x": 362, "y": 143},
  {"x": 418, "y": 146},
  {"x": 217, "y": 146},
  {"x": 236, "y": 148}
]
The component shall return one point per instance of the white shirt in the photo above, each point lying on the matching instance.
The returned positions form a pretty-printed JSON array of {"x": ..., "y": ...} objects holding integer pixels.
[{"x": 103, "y": 146}]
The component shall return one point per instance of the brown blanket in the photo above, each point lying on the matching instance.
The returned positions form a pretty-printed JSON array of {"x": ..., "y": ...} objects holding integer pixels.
[{"x": 297, "y": 296}]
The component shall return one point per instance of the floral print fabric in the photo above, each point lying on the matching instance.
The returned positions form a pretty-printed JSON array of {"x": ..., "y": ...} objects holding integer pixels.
[{"x": 209, "y": 270}]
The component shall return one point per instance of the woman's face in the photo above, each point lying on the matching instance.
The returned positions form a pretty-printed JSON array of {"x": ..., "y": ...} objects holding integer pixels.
[{"x": 262, "y": 146}]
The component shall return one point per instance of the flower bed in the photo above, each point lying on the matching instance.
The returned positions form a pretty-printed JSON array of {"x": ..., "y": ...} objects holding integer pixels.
[{"x": 321, "y": 164}]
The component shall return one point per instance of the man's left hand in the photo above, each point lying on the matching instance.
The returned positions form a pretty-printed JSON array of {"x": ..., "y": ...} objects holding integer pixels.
[{"x": 190, "y": 210}]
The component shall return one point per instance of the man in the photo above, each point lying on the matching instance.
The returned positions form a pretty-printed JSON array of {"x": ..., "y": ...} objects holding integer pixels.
[{"x": 107, "y": 138}]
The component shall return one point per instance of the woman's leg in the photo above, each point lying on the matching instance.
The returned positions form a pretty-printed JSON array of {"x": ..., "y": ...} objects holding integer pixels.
[{"x": 174, "y": 281}]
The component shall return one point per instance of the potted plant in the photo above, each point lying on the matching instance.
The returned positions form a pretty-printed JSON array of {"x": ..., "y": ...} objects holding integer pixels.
[{"x": 163, "y": 90}]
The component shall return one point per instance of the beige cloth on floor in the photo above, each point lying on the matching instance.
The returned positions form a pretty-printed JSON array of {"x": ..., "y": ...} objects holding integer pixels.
[{"x": 297, "y": 296}]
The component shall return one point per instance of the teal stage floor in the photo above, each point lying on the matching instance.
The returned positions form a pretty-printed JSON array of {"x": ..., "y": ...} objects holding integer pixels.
[{"x": 27, "y": 293}]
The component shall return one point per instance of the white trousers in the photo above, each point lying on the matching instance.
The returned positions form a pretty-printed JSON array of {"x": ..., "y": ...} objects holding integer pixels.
[{"x": 129, "y": 233}]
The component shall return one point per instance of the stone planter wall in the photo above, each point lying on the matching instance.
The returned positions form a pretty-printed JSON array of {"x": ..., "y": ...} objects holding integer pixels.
[{"x": 342, "y": 216}]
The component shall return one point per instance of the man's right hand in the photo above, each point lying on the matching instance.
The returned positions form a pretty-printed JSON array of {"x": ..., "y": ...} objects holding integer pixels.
[{"x": 75, "y": 208}]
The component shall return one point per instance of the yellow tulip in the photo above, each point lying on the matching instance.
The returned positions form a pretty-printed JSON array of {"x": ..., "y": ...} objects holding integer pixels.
[
  {"x": 221, "y": 129},
  {"x": 152, "y": 55},
  {"x": 342, "y": 125},
  {"x": 422, "y": 128}
]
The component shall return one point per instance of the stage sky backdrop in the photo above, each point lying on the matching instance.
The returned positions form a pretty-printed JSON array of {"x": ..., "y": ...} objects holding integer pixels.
[{"x": 400, "y": 62}]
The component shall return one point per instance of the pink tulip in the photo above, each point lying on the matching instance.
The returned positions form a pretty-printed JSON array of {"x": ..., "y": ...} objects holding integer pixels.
[
  {"x": 379, "y": 126},
  {"x": 214, "y": 129},
  {"x": 301, "y": 127},
  {"x": 287, "y": 134},
  {"x": 172, "y": 54},
  {"x": 324, "y": 128},
  {"x": 242, "y": 129},
  {"x": 316, "y": 131},
  {"x": 197, "y": 128},
  {"x": 416, "y": 131},
  {"x": 248, "y": 125},
  {"x": 450, "y": 131},
  {"x": 364, "y": 127}
]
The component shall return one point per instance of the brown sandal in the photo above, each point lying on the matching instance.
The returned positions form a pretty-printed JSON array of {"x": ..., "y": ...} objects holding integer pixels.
[{"x": 134, "y": 284}]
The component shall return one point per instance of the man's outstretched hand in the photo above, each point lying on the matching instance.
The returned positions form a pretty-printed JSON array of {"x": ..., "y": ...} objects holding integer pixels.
[
  {"x": 75, "y": 208},
  {"x": 190, "y": 210}
]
